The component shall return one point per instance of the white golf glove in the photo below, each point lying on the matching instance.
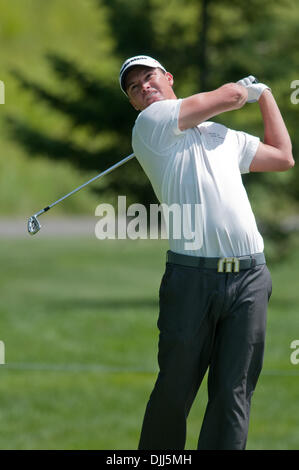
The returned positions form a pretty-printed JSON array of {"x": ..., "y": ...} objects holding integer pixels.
[{"x": 254, "y": 88}]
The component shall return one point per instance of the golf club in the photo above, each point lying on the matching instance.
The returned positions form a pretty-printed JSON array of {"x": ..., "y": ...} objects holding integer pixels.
[{"x": 33, "y": 224}]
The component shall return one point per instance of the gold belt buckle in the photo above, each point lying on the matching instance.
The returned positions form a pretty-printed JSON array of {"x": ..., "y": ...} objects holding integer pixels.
[{"x": 226, "y": 265}]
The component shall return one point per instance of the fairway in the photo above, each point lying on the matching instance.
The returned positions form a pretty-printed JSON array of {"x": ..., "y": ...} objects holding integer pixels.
[{"x": 78, "y": 319}]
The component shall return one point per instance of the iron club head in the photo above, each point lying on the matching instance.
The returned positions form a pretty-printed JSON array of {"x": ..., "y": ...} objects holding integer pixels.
[{"x": 33, "y": 225}]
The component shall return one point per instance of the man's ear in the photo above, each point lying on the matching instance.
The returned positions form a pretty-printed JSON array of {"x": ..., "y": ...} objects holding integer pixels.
[{"x": 169, "y": 78}]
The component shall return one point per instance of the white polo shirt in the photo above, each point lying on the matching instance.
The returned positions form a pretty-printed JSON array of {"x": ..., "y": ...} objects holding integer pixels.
[{"x": 199, "y": 170}]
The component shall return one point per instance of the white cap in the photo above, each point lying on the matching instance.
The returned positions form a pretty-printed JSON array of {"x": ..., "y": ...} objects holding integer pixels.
[{"x": 137, "y": 60}]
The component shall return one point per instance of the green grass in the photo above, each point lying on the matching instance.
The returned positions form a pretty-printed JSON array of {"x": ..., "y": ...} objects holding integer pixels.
[{"x": 78, "y": 319}]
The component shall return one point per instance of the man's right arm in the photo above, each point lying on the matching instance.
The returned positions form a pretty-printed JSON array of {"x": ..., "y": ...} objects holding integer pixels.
[{"x": 203, "y": 106}]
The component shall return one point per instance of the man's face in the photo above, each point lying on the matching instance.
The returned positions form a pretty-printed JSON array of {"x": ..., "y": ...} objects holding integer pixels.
[{"x": 145, "y": 85}]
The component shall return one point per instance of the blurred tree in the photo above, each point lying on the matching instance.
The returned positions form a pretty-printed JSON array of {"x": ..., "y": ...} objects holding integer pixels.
[{"x": 204, "y": 44}]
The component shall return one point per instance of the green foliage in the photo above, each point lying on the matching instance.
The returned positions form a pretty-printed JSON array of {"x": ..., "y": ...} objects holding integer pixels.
[
  {"x": 69, "y": 107},
  {"x": 27, "y": 31}
]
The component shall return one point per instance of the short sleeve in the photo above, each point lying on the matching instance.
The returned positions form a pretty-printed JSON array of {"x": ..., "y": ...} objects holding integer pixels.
[
  {"x": 157, "y": 126},
  {"x": 247, "y": 147}
]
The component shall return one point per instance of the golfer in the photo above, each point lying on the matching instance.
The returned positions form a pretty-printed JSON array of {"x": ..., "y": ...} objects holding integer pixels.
[{"x": 214, "y": 298}]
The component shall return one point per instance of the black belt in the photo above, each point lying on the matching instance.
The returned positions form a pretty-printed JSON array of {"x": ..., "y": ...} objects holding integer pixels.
[{"x": 223, "y": 265}]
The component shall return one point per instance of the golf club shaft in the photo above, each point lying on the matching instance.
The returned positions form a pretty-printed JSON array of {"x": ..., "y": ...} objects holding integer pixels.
[{"x": 113, "y": 167}]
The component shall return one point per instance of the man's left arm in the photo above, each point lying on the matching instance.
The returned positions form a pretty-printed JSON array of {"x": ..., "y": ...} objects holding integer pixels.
[{"x": 275, "y": 153}]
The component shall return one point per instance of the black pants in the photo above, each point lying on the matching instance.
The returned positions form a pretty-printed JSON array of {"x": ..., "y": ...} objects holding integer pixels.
[{"x": 207, "y": 320}]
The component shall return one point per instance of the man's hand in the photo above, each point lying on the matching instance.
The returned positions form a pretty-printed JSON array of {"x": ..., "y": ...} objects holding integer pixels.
[{"x": 254, "y": 88}]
